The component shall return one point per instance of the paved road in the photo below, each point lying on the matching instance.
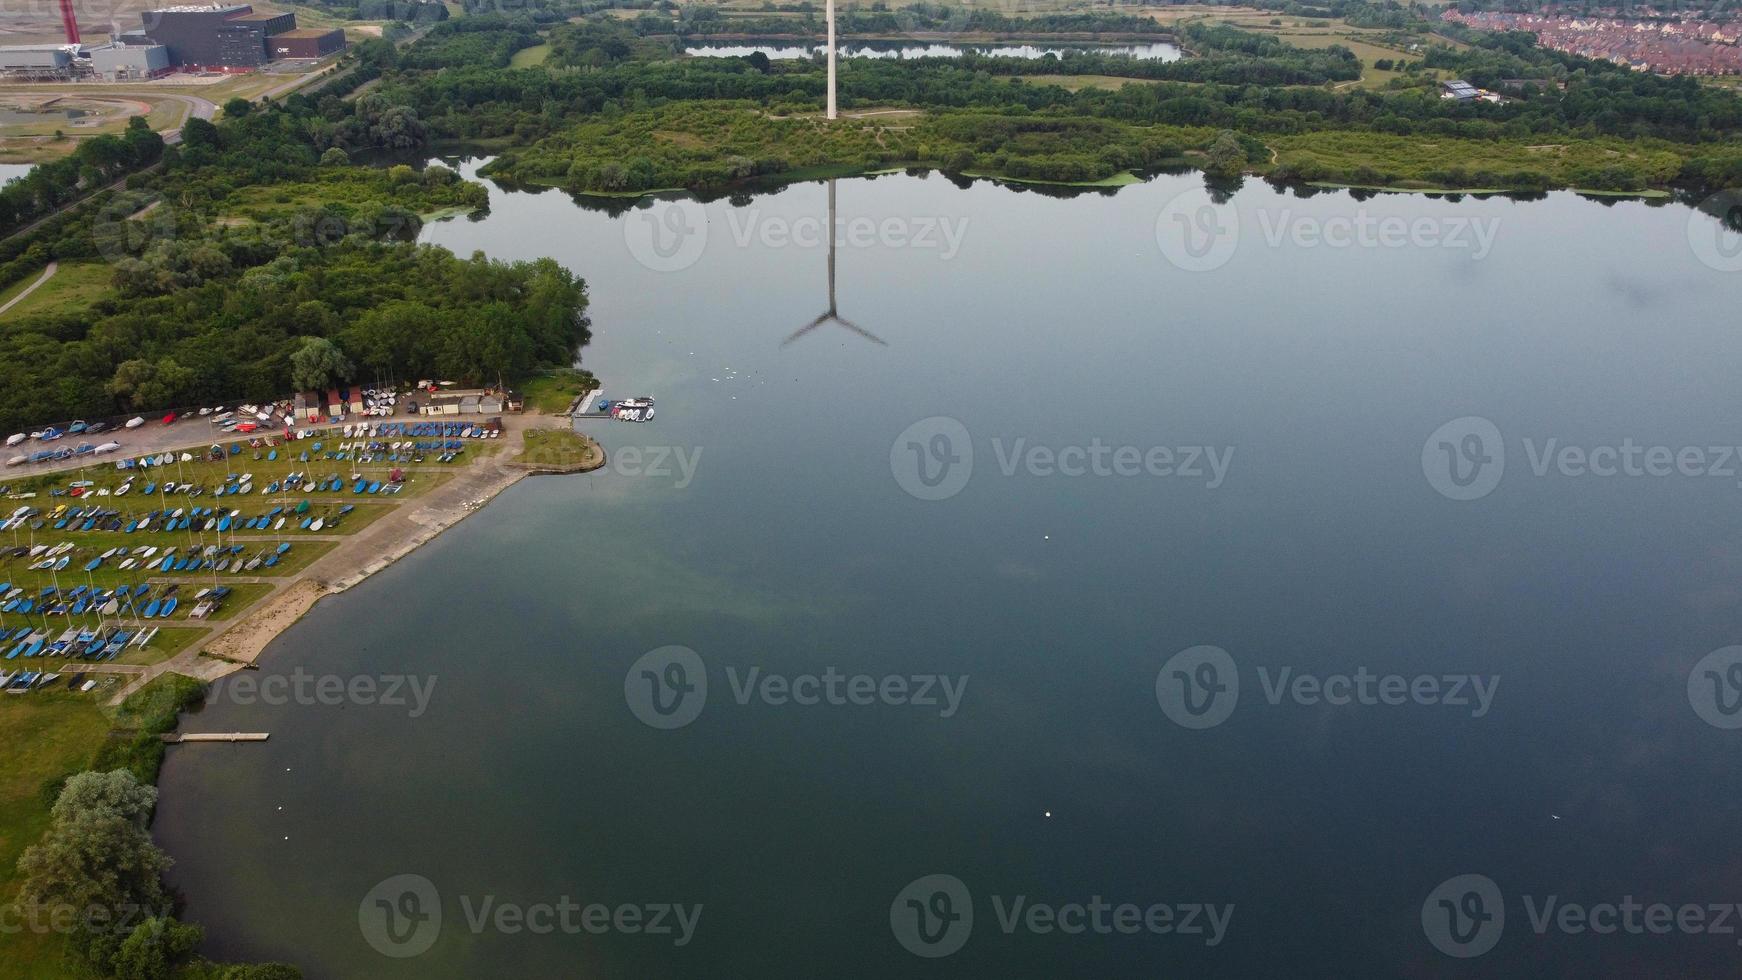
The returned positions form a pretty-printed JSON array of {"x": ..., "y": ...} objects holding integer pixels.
[
  {"x": 47, "y": 271},
  {"x": 153, "y": 437},
  {"x": 198, "y": 108}
]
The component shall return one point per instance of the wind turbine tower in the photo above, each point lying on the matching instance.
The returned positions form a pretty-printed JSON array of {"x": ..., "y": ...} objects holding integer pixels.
[{"x": 829, "y": 15}]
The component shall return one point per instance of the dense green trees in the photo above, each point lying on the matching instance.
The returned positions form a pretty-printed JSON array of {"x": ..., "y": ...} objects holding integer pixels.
[
  {"x": 96, "y": 876},
  {"x": 310, "y": 269},
  {"x": 97, "y": 871},
  {"x": 97, "y": 161},
  {"x": 318, "y": 363},
  {"x": 483, "y": 39},
  {"x": 396, "y": 310}
]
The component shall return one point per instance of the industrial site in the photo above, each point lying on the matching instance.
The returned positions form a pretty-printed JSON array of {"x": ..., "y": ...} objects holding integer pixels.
[{"x": 204, "y": 38}]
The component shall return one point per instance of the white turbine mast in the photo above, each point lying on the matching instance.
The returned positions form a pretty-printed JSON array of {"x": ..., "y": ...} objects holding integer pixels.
[{"x": 829, "y": 15}]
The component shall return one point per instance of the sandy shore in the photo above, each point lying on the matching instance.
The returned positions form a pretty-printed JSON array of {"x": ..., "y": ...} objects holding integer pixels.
[{"x": 353, "y": 560}]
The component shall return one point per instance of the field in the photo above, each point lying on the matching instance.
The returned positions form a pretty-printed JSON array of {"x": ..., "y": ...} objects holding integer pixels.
[
  {"x": 551, "y": 393},
  {"x": 1076, "y": 83},
  {"x": 529, "y": 57},
  {"x": 74, "y": 287},
  {"x": 51, "y": 735},
  {"x": 1408, "y": 162},
  {"x": 48, "y": 736},
  {"x": 1370, "y": 45},
  {"x": 558, "y": 448}
]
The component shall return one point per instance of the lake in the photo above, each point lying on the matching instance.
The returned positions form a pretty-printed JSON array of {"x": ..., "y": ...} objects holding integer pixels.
[
  {"x": 1157, "y": 51},
  {"x": 1159, "y": 584}
]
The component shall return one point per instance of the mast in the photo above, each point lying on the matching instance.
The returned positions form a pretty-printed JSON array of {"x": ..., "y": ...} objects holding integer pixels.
[{"x": 829, "y": 15}]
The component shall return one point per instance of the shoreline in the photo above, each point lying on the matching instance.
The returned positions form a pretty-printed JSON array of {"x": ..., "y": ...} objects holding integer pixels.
[{"x": 240, "y": 643}]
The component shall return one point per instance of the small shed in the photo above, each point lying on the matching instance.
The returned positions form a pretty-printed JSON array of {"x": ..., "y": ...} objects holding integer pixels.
[
  {"x": 335, "y": 403},
  {"x": 469, "y": 405},
  {"x": 356, "y": 399},
  {"x": 490, "y": 405}
]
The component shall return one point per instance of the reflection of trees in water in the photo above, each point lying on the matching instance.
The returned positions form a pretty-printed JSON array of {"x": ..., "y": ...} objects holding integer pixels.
[{"x": 1725, "y": 206}]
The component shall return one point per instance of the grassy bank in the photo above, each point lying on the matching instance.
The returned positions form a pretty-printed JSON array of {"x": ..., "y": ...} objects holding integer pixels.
[
  {"x": 560, "y": 450},
  {"x": 1413, "y": 162},
  {"x": 552, "y": 391},
  {"x": 712, "y": 146},
  {"x": 72, "y": 289},
  {"x": 56, "y": 734}
]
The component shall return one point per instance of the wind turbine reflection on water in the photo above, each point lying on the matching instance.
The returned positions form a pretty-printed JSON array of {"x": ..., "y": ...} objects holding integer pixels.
[{"x": 832, "y": 313}]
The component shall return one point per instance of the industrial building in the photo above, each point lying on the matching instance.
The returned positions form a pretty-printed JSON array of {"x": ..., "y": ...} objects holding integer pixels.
[
  {"x": 215, "y": 37},
  {"x": 121, "y": 62},
  {"x": 208, "y": 37},
  {"x": 306, "y": 43},
  {"x": 230, "y": 37},
  {"x": 36, "y": 61}
]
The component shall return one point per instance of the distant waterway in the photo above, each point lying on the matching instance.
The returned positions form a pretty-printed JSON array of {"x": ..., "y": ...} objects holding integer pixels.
[{"x": 952, "y": 565}]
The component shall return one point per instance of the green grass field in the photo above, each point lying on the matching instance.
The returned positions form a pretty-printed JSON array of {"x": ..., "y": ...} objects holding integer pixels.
[
  {"x": 1076, "y": 83},
  {"x": 556, "y": 447},
  {"x": 72, "y": 289},
  {"x": 49, "y": 735},
  {"x": 1406, "y": 162},
  {"x": 529, "y": 57},
  {"x": 552, "y": 392}
]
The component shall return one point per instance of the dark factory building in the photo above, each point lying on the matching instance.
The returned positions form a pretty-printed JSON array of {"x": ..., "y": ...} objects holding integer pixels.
[
  {"x": 232, "y": 37},
  {"x": 306, "y": 43}
]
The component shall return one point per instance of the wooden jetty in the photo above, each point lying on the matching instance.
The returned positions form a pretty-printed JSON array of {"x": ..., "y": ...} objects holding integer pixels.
[{"x": 176, "y": 738}]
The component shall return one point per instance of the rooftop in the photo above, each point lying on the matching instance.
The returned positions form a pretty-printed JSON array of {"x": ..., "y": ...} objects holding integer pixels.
[
  {"x": 198, "y": 8},
  {"x": 309, "y": 32}
]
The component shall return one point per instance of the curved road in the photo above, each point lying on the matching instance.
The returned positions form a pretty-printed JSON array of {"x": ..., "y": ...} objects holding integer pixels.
[
  {"x": 197, "y": 108},
  {"x": 47, "y": 271}
]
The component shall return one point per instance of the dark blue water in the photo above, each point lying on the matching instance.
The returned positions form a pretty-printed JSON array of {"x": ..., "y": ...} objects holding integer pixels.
[{"x": 794, "y": 546}]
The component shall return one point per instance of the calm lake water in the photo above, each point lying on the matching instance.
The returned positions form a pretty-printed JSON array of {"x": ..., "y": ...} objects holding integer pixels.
[
  {"x": 13, "y": 171},
  {"x": 1357, "y": 529},
  {"x": 787, "y": 52}
]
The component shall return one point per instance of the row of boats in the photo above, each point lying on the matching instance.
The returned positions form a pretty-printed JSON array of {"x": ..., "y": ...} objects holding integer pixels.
[
  {"x": 239, "y": 484},
  {"x": 629, "y": 409},
  {"x": 78, "y": 642},
  {"x": 127, "y": 601},
  {"x": 27, "y": 680},
  {"x": 211, "y": 557},
  {"x": 195, "y": 519}
]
